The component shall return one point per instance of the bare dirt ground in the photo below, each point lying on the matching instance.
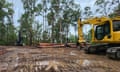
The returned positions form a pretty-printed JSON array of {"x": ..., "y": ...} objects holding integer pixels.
[{"x": 32, "y": 59}]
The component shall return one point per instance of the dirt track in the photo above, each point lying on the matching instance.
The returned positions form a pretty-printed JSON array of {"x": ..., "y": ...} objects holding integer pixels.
[{"x": 31, "y": 59}]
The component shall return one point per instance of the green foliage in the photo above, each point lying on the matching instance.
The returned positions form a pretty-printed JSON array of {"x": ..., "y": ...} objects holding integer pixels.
[
  {"x": 116, "y": 11},
  {"x": 98, "y": 2},
  {"x": 87, "y": 12},
  {"x": 89, "y": 38},
  {"x": 50, "y": 17},
  {"x": 72, "y": 38},
  {"x": 7, "y": 29},
  {"x": 104, "y": 7},
  {"x": 45, "y": 37},
  {"x": 37, "y": 28},
  {"x": 62, "y": 14},
  {"x": 27, "y": 21},
  {"x": 10, "y": 35},
  {"x": 108, "y": 8}
]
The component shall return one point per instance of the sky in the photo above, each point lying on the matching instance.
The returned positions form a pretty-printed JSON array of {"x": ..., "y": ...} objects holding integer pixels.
[
  {"x": 18, "y": 7},
  {"x": 18, "y": 10},
  {"x": 84, "y": 3}
]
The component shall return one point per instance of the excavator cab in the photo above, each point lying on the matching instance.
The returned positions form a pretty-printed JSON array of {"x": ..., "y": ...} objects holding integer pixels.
[
  {"x": 103, "y": 30},
  {"x": 107, "y": 32}
]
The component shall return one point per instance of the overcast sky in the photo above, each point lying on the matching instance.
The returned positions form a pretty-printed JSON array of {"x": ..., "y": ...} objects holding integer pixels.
[
  {"x": 18, "y": 7},
  {"x": 18, "y": 10},
  {"x": 84, "y": 3}
]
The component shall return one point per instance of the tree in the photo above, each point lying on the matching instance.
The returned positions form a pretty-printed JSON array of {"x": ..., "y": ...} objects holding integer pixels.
[
  {"x": 89, "y": 37},
  {"x": 32, "y": 9},
  {"x": 37, "y": 28},
  {"x": 72, "y": 38},
  {"x": 116, "y": 11},
  {"x": 87, "y": 12},
  {"x": 7, "y": 33},
  {"x": 109, "y": 8},
  {"x": 104, "y": 7},
  {"x": 50, "y": 18},
  {"x": 62, "y": 14}
]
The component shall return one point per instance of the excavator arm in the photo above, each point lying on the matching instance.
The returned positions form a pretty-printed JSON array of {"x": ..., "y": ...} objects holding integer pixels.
[{"x": 92, "y": 21}]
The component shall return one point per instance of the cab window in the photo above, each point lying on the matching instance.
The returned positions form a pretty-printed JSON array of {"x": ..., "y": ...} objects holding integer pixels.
[
  {"x": 102, "y": 30},
  {"x": 116, "y": 25}
]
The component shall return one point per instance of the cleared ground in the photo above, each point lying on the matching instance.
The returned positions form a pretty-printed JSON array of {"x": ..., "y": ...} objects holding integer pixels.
[{"x": 32, "y": 59}]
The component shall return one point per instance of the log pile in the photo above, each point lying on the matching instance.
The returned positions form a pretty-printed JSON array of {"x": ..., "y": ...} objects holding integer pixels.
[
  {"x": 50, "y": 45},
  {"x": 56, "y": 45}
]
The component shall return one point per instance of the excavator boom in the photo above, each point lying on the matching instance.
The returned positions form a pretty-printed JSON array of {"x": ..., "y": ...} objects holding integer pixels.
[{"x": 92, "y": 21}]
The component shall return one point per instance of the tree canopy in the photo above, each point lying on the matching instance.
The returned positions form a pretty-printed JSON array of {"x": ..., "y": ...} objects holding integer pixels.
[{"x": 49, "y": 20}]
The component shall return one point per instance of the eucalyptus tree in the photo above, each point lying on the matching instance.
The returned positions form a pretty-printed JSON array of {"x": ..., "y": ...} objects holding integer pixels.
[
  {"x": 7, "y": 28},
  {"x": 108, "y": 8},
  {"x": 71, "y": 13},
  {"x": 44, "y": 10},
  {"x": 116, "y": 11},
  {"x": 31, "y": 10},
  {"x": 52, "y": 17},
  {"x": 62, "y": 14},
  {"x": 45, "y": 27},
  {"x": 37, "y": 28},
  {"x": 87, "y": 12},
  {"x": 105, "y": 7}
]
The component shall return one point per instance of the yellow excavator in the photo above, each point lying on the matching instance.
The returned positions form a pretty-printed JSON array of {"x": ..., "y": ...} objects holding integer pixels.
[{"x": 105, "y": 36}]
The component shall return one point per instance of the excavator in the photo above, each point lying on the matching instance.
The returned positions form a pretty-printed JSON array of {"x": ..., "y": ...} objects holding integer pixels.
[{"x": 105, "y": 36}]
